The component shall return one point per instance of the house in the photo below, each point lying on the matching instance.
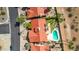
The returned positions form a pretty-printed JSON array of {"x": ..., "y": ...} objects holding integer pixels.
[{"x": 38, "y": 32}]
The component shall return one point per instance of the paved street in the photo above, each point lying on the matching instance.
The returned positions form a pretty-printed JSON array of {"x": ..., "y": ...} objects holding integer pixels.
[
  {"x": 4, "y": 29},
  {"x": 15, "y": 38}
]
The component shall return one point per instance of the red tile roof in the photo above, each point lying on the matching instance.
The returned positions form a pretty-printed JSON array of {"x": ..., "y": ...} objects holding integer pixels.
[
  {"x": 39, "y": 48},
  {"x": 38, "y": 33},
  {"x": 34, "y": 11}
]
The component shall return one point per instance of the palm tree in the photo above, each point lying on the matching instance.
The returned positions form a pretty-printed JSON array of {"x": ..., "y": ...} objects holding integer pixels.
[
  {"x": 20, "y": 19},
  {"x": 52, "y": 20},
  {"x": 27, "y": 25}
]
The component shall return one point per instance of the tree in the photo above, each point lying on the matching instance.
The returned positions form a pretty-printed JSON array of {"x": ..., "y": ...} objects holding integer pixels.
[
  {"x": 70, "y": 45},
  {"x": 21, "y": 19},
  {"x": 27, "y": 25},
  {"x": 52, "y": 20},
  {"x": 27, "y": 46}
]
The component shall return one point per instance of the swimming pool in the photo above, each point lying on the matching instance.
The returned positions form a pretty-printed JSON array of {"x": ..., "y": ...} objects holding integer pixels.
[{"x": 55, "y": 34}]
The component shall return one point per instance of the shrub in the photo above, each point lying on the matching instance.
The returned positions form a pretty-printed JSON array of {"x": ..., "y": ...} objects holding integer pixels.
[
  {"x": 70, "y": 15},
  {"x": 21, "y": 19},
  {"x": 2, "y": 18},
  {"x": 52, "y": 46},
  {"x": 74, "y": 39},
  {"x": 27, "y": 25},
  {"x": 65, "y": 26},
  {"x": 48, "y": 42},
  {"x": 77, "y": 48},
  {"x": 53, "y": 20},
  {"x": 76, "y": 29},
  {"x": 0, "y": 47},
  {"x": 75, "y": 16},
  {"x": 70, "y": 45},
  {"x": 49, "y": 8},
  {"x": 69, "y": 9},
  {"x": 3, "y": 13},
  {"x": 27, "y": 46},
  {"x": 72, "y": 26}
]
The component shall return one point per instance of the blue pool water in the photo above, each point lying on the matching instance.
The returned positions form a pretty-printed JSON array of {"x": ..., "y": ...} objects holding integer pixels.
[{"x": 55, "y": 35}]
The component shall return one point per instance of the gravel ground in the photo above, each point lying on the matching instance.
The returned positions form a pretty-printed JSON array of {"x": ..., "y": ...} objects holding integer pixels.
[{"x": 5, "y": 42}]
